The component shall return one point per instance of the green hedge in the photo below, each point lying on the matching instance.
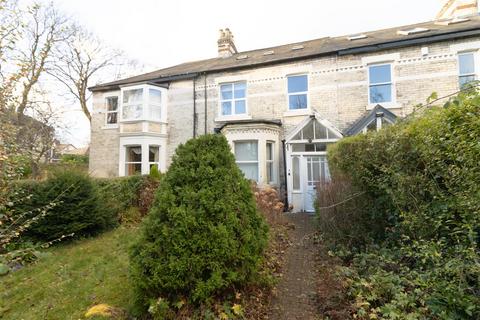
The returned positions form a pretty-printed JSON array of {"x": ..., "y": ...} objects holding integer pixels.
[
  {"x": 423, "y": 176},
  {"x": 203, "y": 235},
  {"x": 77, "y": 207}
]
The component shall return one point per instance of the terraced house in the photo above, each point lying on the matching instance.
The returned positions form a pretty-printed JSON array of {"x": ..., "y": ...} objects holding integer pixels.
[{"x": 280, "y": 107}]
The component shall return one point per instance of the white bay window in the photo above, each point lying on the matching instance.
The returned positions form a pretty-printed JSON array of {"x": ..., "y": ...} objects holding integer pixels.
[
  {"x": 246, "y": 155},
  {"x": 143, "y": 102}
]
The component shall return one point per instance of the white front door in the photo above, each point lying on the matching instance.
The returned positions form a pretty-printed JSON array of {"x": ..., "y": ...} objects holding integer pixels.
[{"x": 316, "y": 172}]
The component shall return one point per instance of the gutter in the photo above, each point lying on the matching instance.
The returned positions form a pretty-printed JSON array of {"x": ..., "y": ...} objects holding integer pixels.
[
  {"x": 409, "y": 42},
  {"x": 285, "y": 208}
]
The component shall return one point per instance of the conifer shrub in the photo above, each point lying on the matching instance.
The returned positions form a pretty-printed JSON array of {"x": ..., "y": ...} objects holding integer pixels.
[
  {"x": 78, "y": 210},
  {"x": 203, "y": 234}
]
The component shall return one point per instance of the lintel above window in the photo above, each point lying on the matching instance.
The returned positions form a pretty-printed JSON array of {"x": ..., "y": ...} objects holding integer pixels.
[{"x": 143, "y": 102}]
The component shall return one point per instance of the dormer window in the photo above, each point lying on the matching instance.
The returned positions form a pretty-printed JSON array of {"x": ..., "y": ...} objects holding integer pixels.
[{"x": 143, "y": 102}]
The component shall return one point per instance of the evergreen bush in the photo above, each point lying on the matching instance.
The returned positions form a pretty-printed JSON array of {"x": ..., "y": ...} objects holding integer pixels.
[
  {"x": 203, "y": 234},
  {"x": 422, "y": 176},
  {"x": 79, "y": 209}
]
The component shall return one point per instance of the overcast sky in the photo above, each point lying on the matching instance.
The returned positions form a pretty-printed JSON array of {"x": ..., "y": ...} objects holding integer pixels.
[{"x": 164, "y": 33}]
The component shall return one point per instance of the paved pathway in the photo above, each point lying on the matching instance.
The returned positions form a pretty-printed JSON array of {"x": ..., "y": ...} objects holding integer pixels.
[{"x": 296, "y": 293}]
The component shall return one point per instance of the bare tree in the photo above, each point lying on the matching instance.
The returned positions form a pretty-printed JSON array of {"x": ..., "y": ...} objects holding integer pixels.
[
  {"x": 81, "y": 59},
  {"x": 45, "y": 29}
]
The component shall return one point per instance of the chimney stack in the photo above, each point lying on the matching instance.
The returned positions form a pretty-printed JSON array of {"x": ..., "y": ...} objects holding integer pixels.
[
  {"x": 458, "y": 8},
  {"x": 226, "y": 46}
]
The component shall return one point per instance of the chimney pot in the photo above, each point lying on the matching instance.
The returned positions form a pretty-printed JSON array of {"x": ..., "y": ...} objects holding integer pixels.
[{"x": 226, "y": 46}]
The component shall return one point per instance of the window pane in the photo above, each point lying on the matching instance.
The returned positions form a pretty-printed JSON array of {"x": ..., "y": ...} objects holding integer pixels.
[
  {"x": 240, "y": 90},
  {"x": 132, "y": 96},
  {"x": 308, "y": 131},
  {"x": 465, "y": 80},
  {"x": 381, "y": 93},
  {"x": 134, "y": 154},
  {"x": 380, "y": 74},
  {"x": 269, "y": 151},
  {"x": 240, "y": 107},
  {"x": 297, "y": 84},
  {"x": 320, "y": 147},
  {"x": 372, "y": 126},
  {"x": 250, "y": 170},
  {"x": 296, "y": 173},
  {"x": 467, "y": 63},
  {"x": 226, "y": 108},
  {"x": 320, "y": 131},
  {"x": 155, "y": 112},
  {"x": 132, "y": 112},
  {"x": 298, "y": 101},
  {"x": 112, "y": 117},
  {"x": 298, "y": 147},
  {"x": 309, "y": 147},
  {"x": 153, "y": 153},
  {"x": 112, "y": 103},
  {"x": 226, "y": 91},
  {"x": 269, "y": 172},
  {"x": 155, "y": 96},
  {"x": 246, "y": 151},
  {"x": 133, "y": 168}
]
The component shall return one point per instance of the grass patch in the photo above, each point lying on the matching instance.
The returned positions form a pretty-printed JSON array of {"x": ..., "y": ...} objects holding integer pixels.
[{"x": 72, "y": 278}]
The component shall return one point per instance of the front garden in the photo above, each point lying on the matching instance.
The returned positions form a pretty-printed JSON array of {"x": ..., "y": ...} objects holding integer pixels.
[{"x": 161, "y": 247}]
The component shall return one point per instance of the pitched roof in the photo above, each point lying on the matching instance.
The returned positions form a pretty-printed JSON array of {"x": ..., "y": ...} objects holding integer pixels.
[
  {"x": 432, "y": 31},
  {"x": 364, "y": 121}
]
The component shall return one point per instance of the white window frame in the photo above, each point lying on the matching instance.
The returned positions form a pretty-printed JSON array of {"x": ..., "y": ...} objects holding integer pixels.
[
  {"x": 145, "y": 142},
  {"x": 475, "y": 67},
  {"x": 248, "y": 161},
  {"x": 126, "y": 163},
  {"x": 107, "y": 112},
  {"x": 145, "y": 116},
  {"x": 270, "y": 162},
  {"x": 150, "y": 163},
  {"x": 391, "y": 83},
  {"x": 379, "y": 124},
  {"x": 232, "y": 100},
  {"x": 302, "y": 110}
]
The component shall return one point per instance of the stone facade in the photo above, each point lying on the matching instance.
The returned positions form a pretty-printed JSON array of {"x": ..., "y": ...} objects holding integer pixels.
[{"x": 338, "y": 92}]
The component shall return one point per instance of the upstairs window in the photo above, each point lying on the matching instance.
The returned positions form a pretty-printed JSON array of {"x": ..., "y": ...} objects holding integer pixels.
[
  {"x": 380, "y": 83},
  {"x": 233, "y": 98},
  {"x": 466, "y": 65},
  {"x": 297, "y": 92},
  {"x": 155, "y": 104},
  {"x": 142, "y": 103},
  {"x": 246, "y": 155},
  {"x": 112, "y": 110},
  {"x": 132, "y": 104}
]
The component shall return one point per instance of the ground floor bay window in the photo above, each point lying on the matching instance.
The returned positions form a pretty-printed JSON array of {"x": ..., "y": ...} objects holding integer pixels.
[
  {"x": 139, "y": 154},
  {"x": 255, "y": 144},
  {"x": 246, "y": 155}
]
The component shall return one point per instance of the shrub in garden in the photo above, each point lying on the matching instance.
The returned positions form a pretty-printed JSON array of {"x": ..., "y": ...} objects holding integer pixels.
[
  {"x": 422, "y": 177},
  {"x": 79, "y": 209},
  {"x": 343, "y": 214},
  {"x": 203, "y": 235},
  {"x": 269, "y": 204}
]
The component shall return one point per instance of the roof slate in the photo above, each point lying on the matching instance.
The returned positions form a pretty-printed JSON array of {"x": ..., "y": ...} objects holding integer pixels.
[{"x": 375, "y": 41}]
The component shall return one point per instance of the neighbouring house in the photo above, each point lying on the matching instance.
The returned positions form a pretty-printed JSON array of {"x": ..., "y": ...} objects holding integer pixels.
[
  {"x": 60, "y": 149},
  {"x": 280, "y": 107}
]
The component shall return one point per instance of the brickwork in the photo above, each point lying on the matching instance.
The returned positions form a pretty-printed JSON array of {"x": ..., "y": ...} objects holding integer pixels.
[{"x": 338, "y": 91}]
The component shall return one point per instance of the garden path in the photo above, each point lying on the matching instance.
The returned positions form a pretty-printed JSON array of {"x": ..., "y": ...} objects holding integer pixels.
[{"x": 295, "y": 296}]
